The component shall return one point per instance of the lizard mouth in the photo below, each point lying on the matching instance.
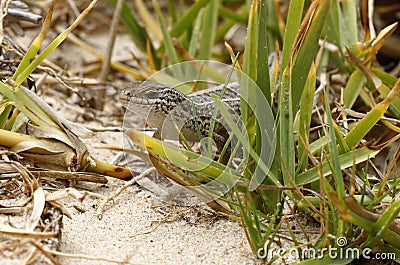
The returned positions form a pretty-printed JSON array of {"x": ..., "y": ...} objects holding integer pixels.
[
  {"x": 141, "y": 101},
  {"x": 127, "y": 99},
  {"x": 124, "y": 99}
]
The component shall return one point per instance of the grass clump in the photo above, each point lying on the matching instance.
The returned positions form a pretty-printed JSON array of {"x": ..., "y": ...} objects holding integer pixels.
[{"x": 321, "y": 161}]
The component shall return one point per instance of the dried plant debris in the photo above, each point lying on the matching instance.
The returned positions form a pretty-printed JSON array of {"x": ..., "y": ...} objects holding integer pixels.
[
  {"x": 30, "y": 213},
  {"x": 18, "y": 10},
  {"x": 29, "y": 223}
]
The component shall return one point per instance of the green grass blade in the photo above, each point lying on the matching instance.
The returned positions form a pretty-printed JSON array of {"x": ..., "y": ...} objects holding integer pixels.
[
  {"x": 263, "y": 101},
  {"x": 245, "y": 215},
  {"x": 372, "y": 117},
  {"x": 245, "y": 143},
  {"x": 378, "y": 225},
  {"x": 263, "y": 80},
  {"x": 306, "y": 106},
  {"x": 232, "y": 15},
  {"x": 173, "y": 55},
  {"x": 292, "y": 27},
  {"x": 356, "y": 81},
  {"x": 22, "y": 101},
  {"x": 136, "y": 31},
  {"x": 273, "y": 26},
  {"x": 350, "y": 21},
  {"x": 342, "y": 145},
  {"x": 334, "y": 26},
  {"x": 387, "y": 78},
  {"x": 383, "y": 93},
  {"x": 5, "y": 110},
  {"x": 345, "y": 160},
  {"x": 188, "y": 19},
  {"x": 250, "y": 52},
  {"x": 250, "y": 68},
  {"x": 194, "y": 39},
  {"x": 185, "y": 159},
  {"x": 36, "y": 44},
  {"x": 383, "y": 223},
  {"x": 53, "y": 45},
  {"x": 208, "y": 30},
  {"x": 172, "y": 11},
  {"x": 334, "y": 155},
  {"x": 307, "y": 48},
  {"x": 286, "y": 133}
]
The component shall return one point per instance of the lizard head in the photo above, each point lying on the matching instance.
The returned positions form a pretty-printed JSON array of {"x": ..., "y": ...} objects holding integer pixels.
[{"x": 153, "y": 101}]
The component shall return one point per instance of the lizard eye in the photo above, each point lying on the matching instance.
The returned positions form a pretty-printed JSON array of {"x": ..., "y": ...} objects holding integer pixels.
[
  {"x": 127, "y": 93},
  {"x": 151, "y": 94}
]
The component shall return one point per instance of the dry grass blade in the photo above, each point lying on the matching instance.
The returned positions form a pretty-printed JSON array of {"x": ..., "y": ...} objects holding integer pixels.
[
  {"x": 73, "y": 176},
  {"x": 37, "y": 42},
  {"x": 70, "y": 193},
  {"x": 105, "y": 67},
  {"x": 114, "y": 65},
  {"x": 38, "y": 207},
  {"x": 38, "y": 216},
  {"x": 152, "y": 25},
  {"x": 354, "y": 206},
  {"x": 45, "y": 252},
  {"x": 9, "y": 230},
  {"x": 382, "y": 37}
]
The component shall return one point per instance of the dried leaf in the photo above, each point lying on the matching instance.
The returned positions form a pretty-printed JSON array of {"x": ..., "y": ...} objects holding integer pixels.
[
  {"x": 38, "y": 207},
  {"x": 66, "y": 193},
  {"x": 52, "y": 147}
]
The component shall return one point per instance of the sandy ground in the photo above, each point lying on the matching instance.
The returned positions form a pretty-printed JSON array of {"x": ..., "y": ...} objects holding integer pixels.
[
  {"x": 139, "y": 228},
  {"x": 132, "y": 229}
]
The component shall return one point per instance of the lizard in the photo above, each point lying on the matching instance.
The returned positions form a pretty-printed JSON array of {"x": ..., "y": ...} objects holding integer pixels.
[{"x": 161, "y": 106}]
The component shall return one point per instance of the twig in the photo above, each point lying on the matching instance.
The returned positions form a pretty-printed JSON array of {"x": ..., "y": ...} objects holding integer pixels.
[
  {"x": 45, "y": 252},
  {"x": 105, "y": 67},
  {"x": 58, "y": 78},
  {"x": 100, "y": 209},
  {"x": 371, "y": 19},
  {"x": 115, "y": 65},
  {"x": 73, "y": 7},
  {"x": 4, "y": 11},
  {"x": 23, "y": 15}
]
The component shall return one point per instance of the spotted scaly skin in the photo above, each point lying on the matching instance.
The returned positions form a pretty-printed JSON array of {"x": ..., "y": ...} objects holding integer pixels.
[{"x": 167, "y": 109}]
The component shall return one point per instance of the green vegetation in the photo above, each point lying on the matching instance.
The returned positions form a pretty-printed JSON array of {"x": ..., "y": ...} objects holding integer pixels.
[
  {"x": 322, "y": 170},
  {"x": 325, "y": 176}
]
